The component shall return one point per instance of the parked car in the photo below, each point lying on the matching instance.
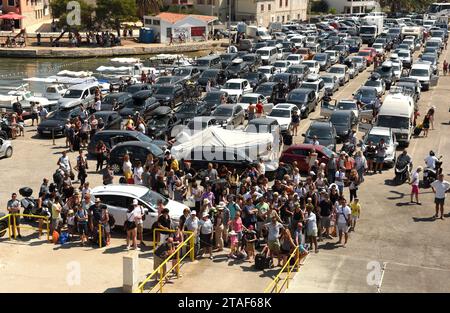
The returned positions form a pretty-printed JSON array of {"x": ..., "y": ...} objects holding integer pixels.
[
  {"x": 377, "y": 133},
  {"x": 137, "y": 150},
  {"x": 160, "y": 123},
  {"x": 376, "y": 82},
  {"x": 143, "y": 102},
  {"x": 255, "y": 79},
  {"x": 6, "y": 149},
  {"x": 132, "y": 89},
  {"x": 360, "y": 62},
  {"x": 305, "y": 99},
  {"x": 301, "y": 71},
  {"x": 186, "y": 72},
  {"x": 314, "y": 66},
  {"x": 299, "y": 153},
  {"x": 253, "y": 60},
  {"x": 170, "y": 95},
  {"x": 368, "y": 96},
  {"x": 216, "y": 77},
  {"x": 236, "y": 68},
  {"x": 282, "y": 112},
  {"x": 344, "y": 121},
  {"x": 341, "y": 72},
  {"x": 237, "y": 87},
  {"x": 111, "y": 119},
  {"x": 267, "y": 70},
  {"x": 215, "y": 98},
  {"x": 190, "y": 109},
  {"x": 121, "y": 98},
  {"x": 325, "y": 133},
  {"x": 324, "y": 61},
  {"x": 232, "y": 115},
  {"x": 55, "y": 122},
  {"x": 331, "y": 83},
  {"x": 290, "y": 80},
  {"x": 227, "y": 58},
  {"x": 273, "y": 92},
  {"x": 368, "y": 55}
]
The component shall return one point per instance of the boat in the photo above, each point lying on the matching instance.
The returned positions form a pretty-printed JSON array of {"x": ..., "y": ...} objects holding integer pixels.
[{"x": 25, "y": 97}]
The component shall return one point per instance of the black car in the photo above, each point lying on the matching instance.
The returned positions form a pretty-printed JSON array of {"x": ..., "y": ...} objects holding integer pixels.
[
  {"x": 137, "y": 87},
  {"x": 344, "y": 121},
  {"x": 113, "y": 137},
  {"x": 121, "y": 98},
  {"x": 386, "y": 71},
  {"x": 325, "y": 133},
  {"x": 111, "y": 119},
  {"x": 255, "y": 78},
  {"x": 305, "y": 99},
  {"x": 143, "y": 102},
  {"x": 164, "y": 80},
  {"x": 190, "y": 109},
  {"x": 160, "y": 123},
  {"x": 187, "y": 72},
  {"x": 253, "y": 60},
  {"x": 169, "y": 95},
  {"x": 236, "y": 69},
  {"x": 227, "y": 58},
  {"x": 56, "y": 120},
  {"x": 138, "y": 151},
  {"x": 290, "y": 80},
  {"x": 214, "y": 98},
  {"x": 301, "y": 71},
  {"x": 273, "y": 91},
  {"x": 217, "y": 78}
]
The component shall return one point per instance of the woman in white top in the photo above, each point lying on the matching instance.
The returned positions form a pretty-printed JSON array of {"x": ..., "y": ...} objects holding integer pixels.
[
  {"x": 311, "y": 228},
  {"x": 131, "y": 227},
  {"x": 127, "y": 167},
  {"x": 137, "y": 173}
]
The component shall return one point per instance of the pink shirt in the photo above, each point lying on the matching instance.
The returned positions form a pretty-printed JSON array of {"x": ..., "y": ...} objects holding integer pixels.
[{"x": 237, "y": 225}]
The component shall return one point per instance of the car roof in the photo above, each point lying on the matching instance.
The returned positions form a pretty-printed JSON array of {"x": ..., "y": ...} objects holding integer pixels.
[
  {"x": 252, "y": 94},
  {"x": 306, "y": 146},
  {"x": 285, "y": 106},
  {"x": 162, "y": 110},
  {"x": 378, "y": 130},
  {"x": 320, "y": 124},
  {"x": 122, "y": 189},
  {"x": 342, "y": 112},
  {"x": 263, "y": 121},
  {"x": 236, "y": 80},
  {"x": 302, "y": 90}
]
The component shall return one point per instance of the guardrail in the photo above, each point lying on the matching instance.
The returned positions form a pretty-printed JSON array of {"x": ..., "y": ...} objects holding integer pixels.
[
  {"x": 175, "y": 255},
  {"x": 277, "y": 284},
  {"x": 12, "y": 224}
]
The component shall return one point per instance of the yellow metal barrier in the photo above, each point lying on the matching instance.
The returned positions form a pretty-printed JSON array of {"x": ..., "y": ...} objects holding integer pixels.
[
  {"x": 175, "y": 255},
  {"x": 99, "y": 235},
  {"x": 14, "y": 226},
  {"x": 274, "y": 286}
]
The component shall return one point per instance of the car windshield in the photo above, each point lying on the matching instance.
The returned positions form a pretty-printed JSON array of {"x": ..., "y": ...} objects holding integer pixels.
[
  {"x": 187, "y": 108},
  {"x": 264, "y": 89},
  {"x": 280, "y": 113},
  {"x": 339, "y": 119},
  {"x": 263, "y": 52},
  {"x": 232, "y": 86},
  {"x": 430, "y": 58},
  {"x": 372, "y": 83},
  {"x": 327, "y": 79},
  {"x": 364, "y": 53},
  {"x": 298, "y": 96},
  {"x": 157, "y": 122},
  {"x": 133, "y": 89},
  {"x": 251, "y": 75},
  {"x": 384, "y": 69},
  {"x": 309, "y": 86},
  {"x": 227, "y": 57},
  {"x": 432, "y": 44},
  {"x": 296, "y": 70},
  {"x": 203, "y": 62},
  {"x": 418, "y": 72},
  {"x": 280, "y": 64},
  {"x": 164, "y": 80},
  {"x": 234, "y": 67},
  {"x": 319, "y": 132},
  {"x": 249, "y": 58},
  {"x": 347, "y": 106},
  {"x": 320, "y": 57},
  {"x": 358, "y": 59},
  {"x": 376, "y": 138},
  {"x": 73, "y": 94},
  {"x": 403, "y": 55},
  {"x": 209, "y": 74},
  {"x": 393, "y": 121},
  {"x": 337, "y": 70},
  {"x": 60, "y": 114},
  {"x": 164, "y": 90},
  {"x": 265, "y": 70},
  {"x": 212, "y": 97},
  {"x": 310, "y": 64},
  {"x": 367, "y": 93},
  {"x": 152, "y": 198},
  {"x": 223, "y": 111},
  {"x": 248, "y": 99},
  {"x": 293, "y": 58}
]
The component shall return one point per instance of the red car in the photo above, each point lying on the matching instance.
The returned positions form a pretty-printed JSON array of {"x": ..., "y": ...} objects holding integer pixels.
[
  {"x": 369, "y": 54},
  {"x": 300, "y": 152}
]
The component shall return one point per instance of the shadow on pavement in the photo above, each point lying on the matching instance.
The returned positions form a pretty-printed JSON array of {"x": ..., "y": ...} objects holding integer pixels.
[
  {"x": 424, "y": 219},
  {"x": 403, "y": 203},
  {"x": 401, "y": 195},
  {"x": 329, "y": 246},
  {"x": 114, "y": 290}
]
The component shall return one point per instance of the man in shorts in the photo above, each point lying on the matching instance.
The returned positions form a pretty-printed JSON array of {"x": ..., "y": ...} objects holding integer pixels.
[
  {"x": 273, "y": 241},
  {"x": 440, "y": 187},
  {"x": 161, "y": 254},
  {"x": 140, "y": 223},
  {"x": 381, "y": 154},
  {"x": 14, "y": 207},
  {"x": 343, "y": 213},
  {"x": 415, "y": 185}
]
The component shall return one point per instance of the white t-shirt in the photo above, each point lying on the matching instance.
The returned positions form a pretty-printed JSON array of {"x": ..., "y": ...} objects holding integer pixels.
[
  {"x": 340, "y": 175},
  {"x": 430, "y": 161},
  {"x": 206, "y": 227},
  {"x": 126, "y": 166},
  {"x": 138, "y": 175},
  {"x": 141, "y": 128},
  {"x": 311, "y": 222},
  {"x": 415, "y": 179},
  {"x": 341, "y": 211},
  {"x": 137, "y": 213},
  {"x": 440, "y": 188},
  {"x": 64, "y": 163},
  {"x": 98, "y": 105}
]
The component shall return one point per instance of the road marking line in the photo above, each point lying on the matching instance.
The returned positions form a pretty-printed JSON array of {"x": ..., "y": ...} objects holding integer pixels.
[{"x": 382, "y": 276}]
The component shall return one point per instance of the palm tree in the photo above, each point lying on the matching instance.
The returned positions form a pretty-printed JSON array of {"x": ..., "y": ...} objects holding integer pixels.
[{"x": 148, "y": 6}]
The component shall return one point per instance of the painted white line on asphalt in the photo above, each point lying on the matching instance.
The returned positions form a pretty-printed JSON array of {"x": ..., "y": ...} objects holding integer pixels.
[{"x": 381, "y": 278}]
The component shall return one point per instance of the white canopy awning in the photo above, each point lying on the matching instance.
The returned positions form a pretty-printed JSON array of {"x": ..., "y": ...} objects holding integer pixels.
[
  {"x": 125, "y": 60},
  {"x": 114, "y": 69},
  {"x": 79, "y": 74}
]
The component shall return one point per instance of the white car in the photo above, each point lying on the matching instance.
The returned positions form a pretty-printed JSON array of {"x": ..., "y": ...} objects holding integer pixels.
[
  {"x": 281, "y": 66},
  {"x": 348, "y": 105},
  {"x": 341, "y": 72},
  {"x": 279, "y": 35},
  {"x": 55, "y": 92},
  {"x": 282, "y": 112},
  {"x": 267, "y": 70},
  {"x": 6, "y": 149},
  {"x": 255, "y": 98},
  {"x": 378, "y": 84},
  {"x": 295, "y": 59},
  {"x": 375, "y": 134},
  {"x": 397, "y": 68},
  {"x": 118, "y": 198},
  {"x": 314, "y": 66},
  {"x": 378, "y": 48},
  {"x": 237, "y": 87},
  {"x": 334, "y": 56}
]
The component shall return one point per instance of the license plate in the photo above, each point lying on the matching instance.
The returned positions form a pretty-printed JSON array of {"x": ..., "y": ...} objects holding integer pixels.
[{"x": 46, "y": 132}]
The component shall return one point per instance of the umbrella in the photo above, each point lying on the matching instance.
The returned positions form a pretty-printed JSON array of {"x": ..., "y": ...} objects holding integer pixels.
[{"x": 11, "y": 16}]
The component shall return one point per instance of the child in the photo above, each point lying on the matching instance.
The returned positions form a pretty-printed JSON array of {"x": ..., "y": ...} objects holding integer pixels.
[
  {"x": 355, "y": 206},
  {"x": 249, "y": 243},
  {"x": 232, "y": 235},
  {"x": 71, "y": 223}
]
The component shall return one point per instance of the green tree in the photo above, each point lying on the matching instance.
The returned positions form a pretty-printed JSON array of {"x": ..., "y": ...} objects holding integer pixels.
[
  {"x": 146, "y": 7},
  {"x": 60, "y": 12},
  {"x": 319, "y": 6},
  {"x": 111, "y": 13}
]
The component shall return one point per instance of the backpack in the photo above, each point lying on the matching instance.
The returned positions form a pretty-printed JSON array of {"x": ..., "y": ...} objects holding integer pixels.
[{"x": 63, "y": 238}]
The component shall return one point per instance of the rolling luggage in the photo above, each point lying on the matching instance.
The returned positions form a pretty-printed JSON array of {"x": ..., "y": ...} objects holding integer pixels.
[
  {"x": 262, "y": 262},
  {"x": 417, "y": 130}
]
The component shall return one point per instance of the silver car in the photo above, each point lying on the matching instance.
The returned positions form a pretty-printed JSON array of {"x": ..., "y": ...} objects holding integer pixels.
[
  {"x": 331, "y": 83},
  {"x": 6, "y": 149}
]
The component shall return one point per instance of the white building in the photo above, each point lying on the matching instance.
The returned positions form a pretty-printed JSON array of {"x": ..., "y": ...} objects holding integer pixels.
[
  {"x": 193, "y": 27},
  {"x": 348, "y": 6}
]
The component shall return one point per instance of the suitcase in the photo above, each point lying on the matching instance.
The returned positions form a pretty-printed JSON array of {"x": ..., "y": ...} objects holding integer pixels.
[
  {"x": 417, "y": 130},
  {"x": 262, "y": 262}
]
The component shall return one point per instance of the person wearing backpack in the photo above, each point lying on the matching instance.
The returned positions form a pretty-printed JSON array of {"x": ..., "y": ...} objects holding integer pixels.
[{"x": 81, "y": 217}]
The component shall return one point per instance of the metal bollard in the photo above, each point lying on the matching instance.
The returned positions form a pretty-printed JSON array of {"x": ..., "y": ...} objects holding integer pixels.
[
  {"x": 99, "y": 235},
  {"x": 53, "y": 136}
]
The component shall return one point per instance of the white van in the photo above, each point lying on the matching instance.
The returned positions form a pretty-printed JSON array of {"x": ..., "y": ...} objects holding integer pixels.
[
  {"x": 424, "y": 73},
  {"x": 79, "y": 94},
  {"x": 268, "y": 54},
  {"x": 397, "y": 113}
]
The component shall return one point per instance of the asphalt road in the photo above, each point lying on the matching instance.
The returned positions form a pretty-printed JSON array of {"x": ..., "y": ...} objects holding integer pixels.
[{"x": 397, "y": 246}]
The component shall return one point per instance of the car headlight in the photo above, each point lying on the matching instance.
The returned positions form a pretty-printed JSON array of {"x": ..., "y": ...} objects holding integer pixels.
[
  {"x": 345, "y": 132},
  {"x": 167, "y": 98},
  {"x": 284, "y": 127}
]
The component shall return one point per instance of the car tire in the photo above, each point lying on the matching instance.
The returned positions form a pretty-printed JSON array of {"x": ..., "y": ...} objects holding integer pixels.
[
  {"x": 116, "y": 168},
  {"x": 8, "y": 153}
]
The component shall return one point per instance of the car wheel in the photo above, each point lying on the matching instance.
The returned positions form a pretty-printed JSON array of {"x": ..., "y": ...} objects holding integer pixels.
[
  {"x": 9, "y": 152},
  {"x": 116, "y": 168}
]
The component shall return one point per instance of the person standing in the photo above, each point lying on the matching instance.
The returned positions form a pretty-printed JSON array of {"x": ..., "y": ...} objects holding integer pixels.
[
  {"x": 426, "y": 124},
  {"x": 34, "y": 113},
  {"x": 440, "y": 187},
  {"x": 445, "y": 65},
  {"x": 355, "y": 206},
  {"x": 100, "y": 152},
  {"x": 82, "y": 167},
  {"x": 259, "y": 109},
  {"x": 137, "y": 173},
  {"x": 206, "y": 235},
  {"x": 415, "y": 185},
  {"x": 381, "y": 154},
  {"x": 251, "y": 111},
  {"x": 370, "y": 153},
  {"x": 295, "y": 122},
  {"x": 105, "y": 224},
  {"x": 326, "y": 209},
  {"x": 343, "y": 213},
  {"x": 127, "y": 169},
  {"x": 360, "y": 165},
  {"x": 130, "y": 226},
  {"x": 81, "y": 217},
  {"x": 311, "y": 227},
  {"x": 14, "y": 207},
  {"x": 43, "y": 112}
]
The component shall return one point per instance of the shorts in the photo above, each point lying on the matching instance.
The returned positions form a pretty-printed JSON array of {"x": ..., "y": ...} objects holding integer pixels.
[
  {"x": 17, "y": 218},
  {"x": 140, "y": 228},
  {"x": 274, "y": 246},
  {"x": 107, "y": 228},
  {"x": 439, "y": 201},
  {"x": 250, "y": 247},
  {"x": 157, "y": 261},
  {"x": 56, "y": 222},
  {"x": 325, "y": 221},
  {"x": 311, "y": 232},
  {"x": 342, "y": 227},
  {"x": 380, "y": 159},
  {"x": 82, "y": 228},
  {"x": 205, "y": 240},
  {"x": 415, "y": 189}
]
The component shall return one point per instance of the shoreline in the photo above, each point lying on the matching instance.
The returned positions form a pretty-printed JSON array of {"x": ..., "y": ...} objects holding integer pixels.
[{"x": 125, "y": 50}]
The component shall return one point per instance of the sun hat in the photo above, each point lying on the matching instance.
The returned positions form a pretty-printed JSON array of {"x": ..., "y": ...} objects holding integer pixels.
[
  {"x": 206, "y": 214},
  {"x": 194, "y": 212}
]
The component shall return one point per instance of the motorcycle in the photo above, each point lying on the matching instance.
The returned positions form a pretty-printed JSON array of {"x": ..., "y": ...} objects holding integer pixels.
[
  {"x": 3, "y": 225},
  {"x": 430, "y": 174},
  {"x": 402, "y": 171}
]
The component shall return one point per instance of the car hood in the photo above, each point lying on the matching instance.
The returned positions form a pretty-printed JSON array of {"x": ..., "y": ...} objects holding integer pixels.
[
  {"x": 175, "y": 209},
  {"x": 329, "y": 85},
  {"x": 128, "y": 111},
  {"x": 163, "y": 97},
  {"x": 323, "y": 141},
  {"x": 68, "y": 103},
  {"x": 52, "y": 123},
  {"x": 340, "y": 129},
  {"x": 234, "y": 92},
  {"x": 282, "y": 121}
]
